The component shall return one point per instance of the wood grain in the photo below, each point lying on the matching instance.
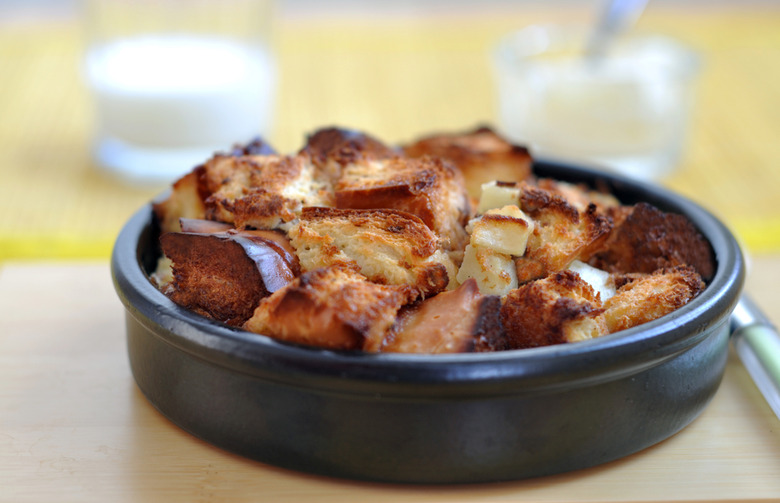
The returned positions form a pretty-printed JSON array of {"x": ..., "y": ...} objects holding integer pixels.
[{"x": 74, "y": 427}]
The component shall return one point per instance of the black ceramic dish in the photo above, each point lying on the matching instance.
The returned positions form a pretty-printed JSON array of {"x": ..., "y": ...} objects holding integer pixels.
[{"x": 432, "y": 419}]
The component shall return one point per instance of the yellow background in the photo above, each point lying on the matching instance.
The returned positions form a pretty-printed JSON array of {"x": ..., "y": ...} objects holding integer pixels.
[{"x": 397, "y": 78}]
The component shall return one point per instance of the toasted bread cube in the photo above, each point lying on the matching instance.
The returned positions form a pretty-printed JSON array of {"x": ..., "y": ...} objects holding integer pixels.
[
  {"x": 646, "y": 297},
  {"x": 504, "y": 230},
  {"x": 335, "y": 308},
  {"x": 497, "y": 194},
  {"x": 262, "y": 192},
  {"x": 428, "y": 188},
  {"x": 579, "y": 195},
  {"x": 561, "y": 233},
  {"x": 224, "y": 275},
  {"x": 494, "y": 272},
  {"x": 331, "y": 149},
  {"x": 387, "y": 246},
  {"x": 646, "y": 239},
  {"x": 557, "y": 309},
  {"x": 450, "y": 322},
  {"x": 163, "y": 274},
  {"x": 187, "y": 197},
  {"x": 481, "y": 155},
  {"x": 183, "y": 201}
]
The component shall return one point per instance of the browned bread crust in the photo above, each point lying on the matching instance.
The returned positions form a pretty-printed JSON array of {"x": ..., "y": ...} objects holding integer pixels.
[
  {"x": 387, "y": 246},
  {"x": 224, "y": 275},
  {"x": 334, "y": 307},
  {"x": 561, "y": 235},
  {"x": 557, "y": 309},
  {"x": 481, "y": 155},
  {"x": 646, "y": 297},
  {"x": 647, "y": 239},
  {"x": 261, "y": 191},
  {"x": 331, "y": 149},
  {"x": 184, "y": 200},
  {"x": 352, "y": 244},
  {"x": 429, "y": 188},
  {"x": 579, "y": 195}
]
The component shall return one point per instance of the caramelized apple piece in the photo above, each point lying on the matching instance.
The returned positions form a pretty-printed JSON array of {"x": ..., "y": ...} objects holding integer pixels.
[{"x": 450, "y": 322}]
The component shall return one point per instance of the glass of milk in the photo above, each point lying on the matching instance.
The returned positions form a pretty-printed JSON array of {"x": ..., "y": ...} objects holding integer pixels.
[
  {"x": 627, "y": 112},
  {"x": 175, "y": 80}
]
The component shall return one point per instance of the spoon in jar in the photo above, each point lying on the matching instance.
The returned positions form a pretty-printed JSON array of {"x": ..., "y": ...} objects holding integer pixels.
[{"x": 616, "y": 17}]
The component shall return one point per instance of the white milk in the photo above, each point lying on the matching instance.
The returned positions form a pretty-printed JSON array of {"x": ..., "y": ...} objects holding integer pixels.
[{"x": 165, "y": 103}]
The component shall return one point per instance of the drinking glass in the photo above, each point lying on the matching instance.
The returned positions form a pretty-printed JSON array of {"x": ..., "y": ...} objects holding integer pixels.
[
  {"x": 628, "y": 111},
  {"x": 175, "y": 80}
]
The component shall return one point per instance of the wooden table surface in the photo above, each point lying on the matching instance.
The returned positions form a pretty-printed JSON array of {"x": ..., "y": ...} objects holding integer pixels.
[{"x": 74, "y": 427}]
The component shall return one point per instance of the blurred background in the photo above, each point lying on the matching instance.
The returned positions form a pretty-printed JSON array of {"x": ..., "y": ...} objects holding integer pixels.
[{"x": 396, "y": 69}]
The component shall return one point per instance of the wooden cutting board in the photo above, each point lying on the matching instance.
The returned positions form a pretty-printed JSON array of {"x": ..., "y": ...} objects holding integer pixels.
[{"x": 74, "y": 427}]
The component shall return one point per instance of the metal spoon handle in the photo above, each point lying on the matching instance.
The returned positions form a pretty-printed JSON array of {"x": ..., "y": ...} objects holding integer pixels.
[
  {"x": 615, "y": 18},
  {"x": 757, "y": 343}
]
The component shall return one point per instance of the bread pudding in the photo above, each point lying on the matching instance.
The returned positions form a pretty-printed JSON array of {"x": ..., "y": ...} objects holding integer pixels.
[{"x": 447, "y": 244}]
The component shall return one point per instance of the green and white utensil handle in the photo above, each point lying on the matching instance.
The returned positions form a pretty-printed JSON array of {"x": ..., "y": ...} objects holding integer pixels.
[{"x": 758, "y": 345}]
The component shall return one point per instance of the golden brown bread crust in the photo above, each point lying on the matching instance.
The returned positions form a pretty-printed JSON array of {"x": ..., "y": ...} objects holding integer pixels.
[
  {"x": 645, "y": 297},
  {"x": 185, "y": 200},
  {"x": 224, "y": 275},
  {"x": 387, "y": 246},
  {"x": 646, "y": 239},
  {"x": 561, "y": 235},
  {"x": 332, "y": 148},
  {"x": 430, "y": 188},
  {"x": 579, "y": 195},
  {"x": 557, "y": 309},
  {"x": 378, "y": 231},
  {"x": 261, "y": 191},
  {"x": 489, "y": 332},
  {"x": 334, "y": 307},
  {"x": 481, "y": 155}
]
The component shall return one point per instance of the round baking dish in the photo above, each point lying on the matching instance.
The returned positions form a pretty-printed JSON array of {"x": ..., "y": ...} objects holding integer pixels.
[{"x": 405, "y": 418}]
